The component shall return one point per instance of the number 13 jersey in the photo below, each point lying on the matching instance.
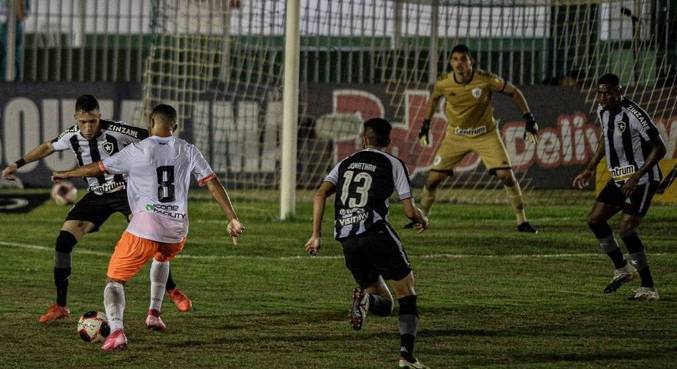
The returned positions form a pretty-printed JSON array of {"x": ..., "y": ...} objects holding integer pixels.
[
  {"x": 364, "y": 181},
  {"x": 158, "y": 173}
]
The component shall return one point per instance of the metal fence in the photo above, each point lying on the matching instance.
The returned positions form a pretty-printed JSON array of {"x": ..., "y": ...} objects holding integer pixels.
[{"x": 525, "y": 41}]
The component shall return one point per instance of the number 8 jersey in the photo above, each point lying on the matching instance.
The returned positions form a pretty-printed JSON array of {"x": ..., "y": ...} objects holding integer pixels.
[
  {"x": 159, "y": 171},
  {"x": 364, "y": 181}
]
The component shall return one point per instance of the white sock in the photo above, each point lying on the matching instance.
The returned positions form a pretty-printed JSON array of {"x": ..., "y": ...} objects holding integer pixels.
[
  {"x": 159, "y": 271},
  {"x": 114, "y": 302}
]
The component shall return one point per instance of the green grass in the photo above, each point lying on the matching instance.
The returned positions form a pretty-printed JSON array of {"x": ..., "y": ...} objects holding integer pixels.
[{"x": 489, "y": 297}]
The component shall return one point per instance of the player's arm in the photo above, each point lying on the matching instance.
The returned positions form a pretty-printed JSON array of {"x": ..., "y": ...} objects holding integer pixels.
[
  {"x": 583, "y": 179},
  {"x": 319, "y": 201},
  {"x": 415, "y": 215},
  {"x": 433, "y": 103},
  {"x": 235, "y": 228},
  {"x": 518, "y": 99},
  {"x": 39, "y": 152},
  {"x": 657, "y": 152},
  {"x": 89, "y": 170}
]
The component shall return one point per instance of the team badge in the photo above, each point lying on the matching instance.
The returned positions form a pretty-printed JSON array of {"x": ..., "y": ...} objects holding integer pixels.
[
  {"x": 621, "y": 126},
  {"x": 477, "y": 92},
  {"x": 108, "y": 147}
]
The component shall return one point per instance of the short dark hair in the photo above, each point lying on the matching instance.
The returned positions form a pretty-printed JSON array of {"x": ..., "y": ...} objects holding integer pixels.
[
  {"x": 377, "y": 131},
  {"x": 86, "y": 103},
  {"x": 609, "y": 79},
  {"x": 461, "y": 48},
  {"x": 166, "y": 113}
]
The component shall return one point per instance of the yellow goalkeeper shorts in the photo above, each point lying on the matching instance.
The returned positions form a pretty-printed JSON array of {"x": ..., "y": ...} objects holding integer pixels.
[{"x": 488, "y": 146}]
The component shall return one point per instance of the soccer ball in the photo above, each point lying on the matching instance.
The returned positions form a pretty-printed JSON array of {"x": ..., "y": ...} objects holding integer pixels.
[
  {"x": 93, "y": 326},
  {"x": 64, "y": 193}
]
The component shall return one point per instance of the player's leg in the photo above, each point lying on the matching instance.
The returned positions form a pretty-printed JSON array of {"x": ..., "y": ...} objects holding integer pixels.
[
  {"x": 391, "y": 261},
  {"x": 633, "y": 212},
  {"x": 380, "y": 298},
  {"x": 85, "y": 217},
  {"x": 450, "y": 153},
  {"x": 608, "y": 203},
  {"x": 130, "y": 255},
  {"x": 372, "y": 294},
  {"x": 408, "y": 320},
  {"x": 491, "y": 149},
  {"x": 158, "y": 280},
  {"x": 180, "y": 300},
  {"x": 429, "y": 192}
]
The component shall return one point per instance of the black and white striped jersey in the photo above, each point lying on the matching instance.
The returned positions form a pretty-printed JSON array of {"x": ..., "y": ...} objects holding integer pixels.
[
  {"x": 114, "y": 137},
  {"x": 627, "y": 135},
  {"x": 364, "y": 181}
]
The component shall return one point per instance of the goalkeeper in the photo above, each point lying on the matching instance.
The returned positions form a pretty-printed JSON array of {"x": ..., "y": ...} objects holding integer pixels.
[{"x": 471, "y": 127}]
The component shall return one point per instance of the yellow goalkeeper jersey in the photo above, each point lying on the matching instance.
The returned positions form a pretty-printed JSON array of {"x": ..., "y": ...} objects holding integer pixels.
[{"x": 468, "y": 106}]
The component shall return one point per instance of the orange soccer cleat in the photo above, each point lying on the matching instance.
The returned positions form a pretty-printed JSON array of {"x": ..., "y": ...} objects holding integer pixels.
[
  {"x": 55, "y": 312},
  {"x": 180, "y": 300}
]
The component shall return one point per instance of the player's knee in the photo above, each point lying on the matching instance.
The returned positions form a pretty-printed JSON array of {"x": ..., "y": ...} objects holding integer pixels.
[
  {"x": 408, "y": 305},
  {"x": 627, "y": 227},
  {"x": 65, "y": 242},
  {"x": 601, "y": 229},
  {"x": 506, "y": 177}
]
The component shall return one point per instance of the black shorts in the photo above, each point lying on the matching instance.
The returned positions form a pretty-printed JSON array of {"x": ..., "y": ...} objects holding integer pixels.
[
  {"x": 97, "y": 208},
  {"x": 378, "y": 252},
  {"x": 638, "y": 202}
]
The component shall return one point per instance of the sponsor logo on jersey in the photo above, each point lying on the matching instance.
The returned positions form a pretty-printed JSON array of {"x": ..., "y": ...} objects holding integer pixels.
[
  {"x": 129, "y": 131},
  {"x": 620, "y": 174},
  {"x": 107, "y": 187},
  {"x": 352, "y": 216},
  {"x": 477, "y": 92},
  {"x": 470, "y": 132},
  {"x": 108, "y": 147},
  {"x": 171, "y": 211}
]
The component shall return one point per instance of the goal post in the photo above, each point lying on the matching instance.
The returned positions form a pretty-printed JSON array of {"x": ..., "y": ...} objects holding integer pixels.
[{"x": 273, "y": 121}]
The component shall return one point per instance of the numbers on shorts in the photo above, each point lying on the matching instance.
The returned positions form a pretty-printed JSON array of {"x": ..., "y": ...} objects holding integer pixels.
[
  {"x": 360, "y": 196},
  {"x": 165, "y": 181}
]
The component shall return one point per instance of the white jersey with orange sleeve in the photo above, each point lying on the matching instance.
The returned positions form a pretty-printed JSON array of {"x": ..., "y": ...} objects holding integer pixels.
[{"x": 158, "y": 173}]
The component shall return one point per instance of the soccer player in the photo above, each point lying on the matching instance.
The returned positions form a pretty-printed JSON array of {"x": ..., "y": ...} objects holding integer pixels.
[
  {"x": 633, "y": 147},
  {"x": 363, "y": 182},
  {"x": 90, "y": 139},
  {"x": 159, "y": 169},
  {"x": 471, "y": 127}
]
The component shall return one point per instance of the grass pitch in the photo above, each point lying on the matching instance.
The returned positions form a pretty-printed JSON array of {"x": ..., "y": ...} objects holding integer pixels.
[{"x": 489, "y": 297}]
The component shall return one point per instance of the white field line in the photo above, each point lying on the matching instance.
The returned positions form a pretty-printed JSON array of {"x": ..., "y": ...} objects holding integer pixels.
[{"x": 330, "y": 257}]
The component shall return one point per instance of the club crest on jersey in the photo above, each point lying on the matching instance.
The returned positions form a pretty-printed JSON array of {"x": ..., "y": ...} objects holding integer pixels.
[
  {"x": 621, "y": 126},
  {"x": 476, "y": 92},
  {"x": 108, "y": 147}
]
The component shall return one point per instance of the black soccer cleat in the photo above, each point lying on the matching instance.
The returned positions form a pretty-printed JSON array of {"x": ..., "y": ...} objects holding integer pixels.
[
  {"x": 621, "y": 275},
  {"x": 526, "y": 228},
  {"x": 409, "y": 225}
]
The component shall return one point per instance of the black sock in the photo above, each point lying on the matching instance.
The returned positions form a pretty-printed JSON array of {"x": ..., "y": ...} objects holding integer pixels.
[
  {"x": 170, "y": 282},
  {"x": 61, "y": 276},
  {"x": 617, "y": 257},
  {"x": 408, "y": 325},
  {"x": 407, "y": 346},
  {"x": 638, "y": 257},
  {"x": 645, "y": 276},
  {"x": 379, "y": 305}
]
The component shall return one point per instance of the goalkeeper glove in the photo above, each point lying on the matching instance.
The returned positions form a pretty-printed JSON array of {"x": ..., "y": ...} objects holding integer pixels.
[
  {"x": 530, "y": 128},
  {"x": 424, "y": 133}
]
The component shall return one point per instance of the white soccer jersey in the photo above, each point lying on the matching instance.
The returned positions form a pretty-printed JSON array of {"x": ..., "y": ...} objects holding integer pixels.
[
  {"x": 627, "y": 134},
  {"x": 159, "y": 171},
  {"x": 113, "y": 138}
]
